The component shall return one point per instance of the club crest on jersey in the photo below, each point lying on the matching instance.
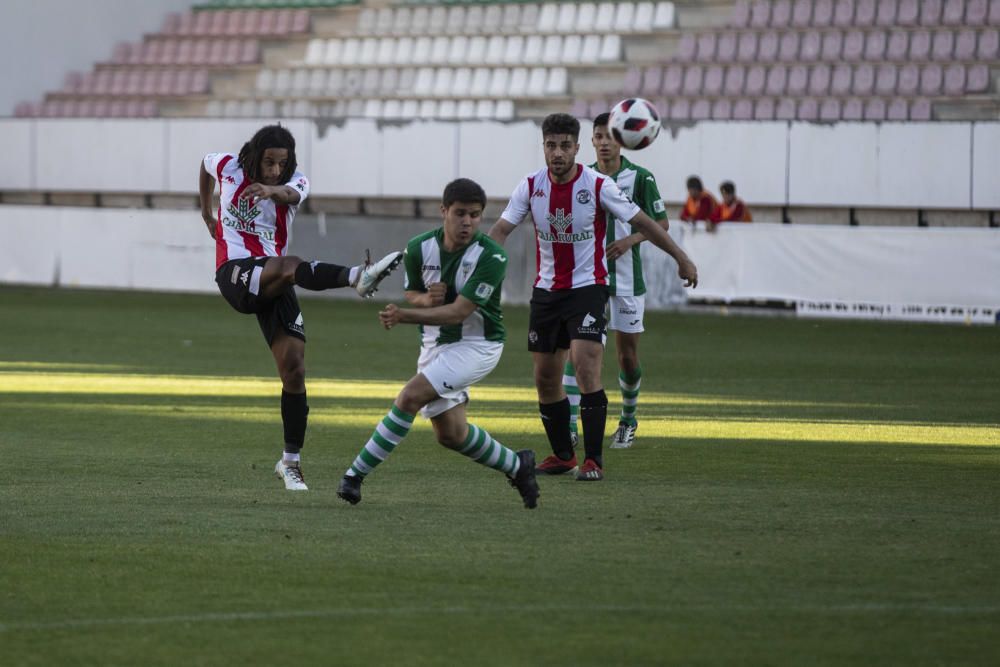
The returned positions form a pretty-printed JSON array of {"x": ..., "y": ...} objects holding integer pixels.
[
  {"x": 484, "y": 290},
  {"x": 467, "y": 267},
  {"x": 583, "y": 196}
]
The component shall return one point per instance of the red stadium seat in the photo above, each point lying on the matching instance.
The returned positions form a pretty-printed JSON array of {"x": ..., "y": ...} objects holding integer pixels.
[
  {"x": 854, "y": 45},
  {"x": 788, "y": 49},
  {"x": 767, "y": 47},
  {"x": 843, "y": 13},
  {"x": 722, "y": 109},
  {"x": 943, "y": 45},
  {"x": 930, "y": 12},
  {"x": 886, "y": 13},
  {"x": 808, "y": 109},
  {"x": 954, "y": 12},
  {"x": 875, "y": 44},
  {"x": 875, "y": 109},
  {"x": 802, "y": 13},
  {"x": 781, "y": 13},
  {"x": 819, "y": 80}
]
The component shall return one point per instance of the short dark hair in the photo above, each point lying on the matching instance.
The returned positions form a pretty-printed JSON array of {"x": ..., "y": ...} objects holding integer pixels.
[
  {"x": 728, "y": 187},
  {"x": 602, "y": 119},
  {"x": 694, "y": 182},
  {"x": 269, "y": 136},
  {"x": 561, "y": 123},
  {"x": 463, "y": 190}
]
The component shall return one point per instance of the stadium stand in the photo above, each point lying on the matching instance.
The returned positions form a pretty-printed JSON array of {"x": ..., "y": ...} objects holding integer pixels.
[{"x": 811, "y": 60}]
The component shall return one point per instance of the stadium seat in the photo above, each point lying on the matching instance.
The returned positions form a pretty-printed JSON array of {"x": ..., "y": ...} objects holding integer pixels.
[
  {"x": 760, "y": 14},
  {"x": 954, "y": 12},
  {"x": 485, "y": 109},
  {"x": 725, "y": 47},
  {"x": 742, "y": 110},
  {"x": 443, "y": 78},
  {"x": 865, "y": 13},
  {"x": 897, "y": 110},
  {"x": 480, "y": 82},
  {"x": 645, "y": 82},
  {"x": 831, "y": 110},
  {"x": 566, "y": 18},
  {"x": 788, "y": 48},
  {"x": 822, "y": 16},
  {"x": 976, "y": 12},
  {"x": 954, "y": 79},
  {"x": 798, "y": 80},
  {"x": 843, "y": 13},
  {"x": 440, "y": 47},
  {"x": 499, "y": 82},
  {"x": 476, "y": 50},
  {"x": 764, "y": 109},
  {"x": 548, "y": 18},
  {"x": 572, "y": 45},
  {"x": 625, "y": 17},
  {"x": 590, "y": 50},
  {"x": 819, "y": 80},
  {"x": 931, "y": 79},
  {"x": 552, "y": 50},
  {"x": 802, "y": 13},
  {"x": 673, "y": 80},
  {"x": 664, "y": 18},
  {"x": 518, "y": 85},
  {"x": 401, "y": 20},
  {"x": 965, "y": 45},
  {"x": 908, "y": 13},
  {"x": 897, "y": 46},
  {"x": 886, "y": 78},
  {"x": 977, "y": 79},
  {"x": 533, "y": 46},
  {"x": 920, "y": 110},
  {"x": 875, "y": 109},
  {"x": 611, "y": 49},
  {"x": 811, "y": 46},
  {"x": 988, "y": 48},
  {"x": 371, "y": 79},
  {"x": 495, "y": 50},
  {"x": 808, "y": 109},
  {"x": 756, "y": 80},
  {"x": 642, "y": 20},
  {"x": 735, "y": 79},
  {"x": 705, "y": 51},
  {"x": 875, "y": 45},
  {"x": 437, "y": 21},
  {"x": 701, "y": 110},
  {"x": 507, "y": 19},
  {"x": 864, "y": 79},
  {"x": 854, "y": 46},
  {"x": 943, "y": 45},
  {"x": 930, "y": 12},
  {"x": 558, "y": 81},
  {"x": 423, "y": 84},
  {"x": 692, "y": 80},
  {"x": 455, "y": 22},
  {"x": 920, "y": 45},
  {"x": 781, "y": 14},
  {"x": 419, "y": 24},
  {"x": 687, "y": 48},
  {"x": 366, "y": 21},
  {"x": 909, "y": 79},
  {"x": 777, "y": 79},
  {"x": 722, "y": 109},
  {"x": 767, "y": 47},
  {"x": 712, "y": 84},
  {"x": 537, "y": 79},
  {"x": 585, "y": 17},
  {"x": 369, "y": 52},
  {"x": 886, "y": 16},
  {"x": 740, "y": 15},
  {"x": 785, "y": 109},
  {"x": 372, "y": 109},
  {"x": 335, "y": 82},
  {"x": 680, "y": 109},
  {"x": 605, "y": 19},
  {"x": 746, "y": 49}
]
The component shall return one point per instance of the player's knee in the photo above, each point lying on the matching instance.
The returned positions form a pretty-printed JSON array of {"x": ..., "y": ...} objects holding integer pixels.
[
  {"x": 293, "y": 374},
  {"x": 449, "y": 438},
  {"x": 408, "y": 402},
  {"x": 628, "y": 362}
]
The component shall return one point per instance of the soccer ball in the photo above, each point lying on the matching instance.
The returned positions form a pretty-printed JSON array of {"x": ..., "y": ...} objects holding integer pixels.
[{"x": 634, "y": 123}]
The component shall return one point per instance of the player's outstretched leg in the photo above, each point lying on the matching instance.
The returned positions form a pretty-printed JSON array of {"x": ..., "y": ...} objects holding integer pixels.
[
  {"x": 573, "y": 394},
  {"x": 386, "y": 436},
  {"x": 480, "y": 446},
  {"x": 372, "y": 274}
]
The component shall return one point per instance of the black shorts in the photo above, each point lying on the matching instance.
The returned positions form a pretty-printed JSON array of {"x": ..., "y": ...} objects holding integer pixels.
[
  {"x": 239, "y": 282},
  {"x": 561, "y": 316}
]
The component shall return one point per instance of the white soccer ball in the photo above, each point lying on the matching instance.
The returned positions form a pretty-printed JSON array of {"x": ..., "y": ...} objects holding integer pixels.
[{"x": 634, "y": 123}]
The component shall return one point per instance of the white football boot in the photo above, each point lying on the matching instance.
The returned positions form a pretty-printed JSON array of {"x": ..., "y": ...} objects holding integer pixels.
[
  {"x": 624, "y": 436},
  {"x": 291, "y": 475},
  {"x": 373, "y": 274}
]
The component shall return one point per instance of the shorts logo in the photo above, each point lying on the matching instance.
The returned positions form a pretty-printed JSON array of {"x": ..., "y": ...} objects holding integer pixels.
[
  {"x": 484, "y": 290},
  {"x": 588, "y": 320},
  {"x": 446, "y": 385},
  {"x": 583, "y": 196},
  {"x": 244, "y": 277},
  {"x": 587, "y": 325},
  {"x": 532, "y": 336},
  {"x": 633, "y": 323},
  {"x": 298, "y": 325}
]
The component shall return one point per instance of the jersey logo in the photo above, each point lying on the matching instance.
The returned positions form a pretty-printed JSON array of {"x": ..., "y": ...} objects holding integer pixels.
[
  {"x": 659, "y": 206},
  {"x": 467, "y": 267},
  {"x": 538, "y": 193},
  {"x": 484, "y": 290},
  {"x": 560, "y": 220},
  {"x": 500, "y": 258},
  {"x": 229, "y": 179},
  {"x": 583, "y": 196}
]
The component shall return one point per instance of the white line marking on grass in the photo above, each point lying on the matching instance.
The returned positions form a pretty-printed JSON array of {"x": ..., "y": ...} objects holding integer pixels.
[{"x": 224, "y": 617}]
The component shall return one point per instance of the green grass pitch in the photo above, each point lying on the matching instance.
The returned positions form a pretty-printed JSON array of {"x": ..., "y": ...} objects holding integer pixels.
[{"x": 800, "y": 492}]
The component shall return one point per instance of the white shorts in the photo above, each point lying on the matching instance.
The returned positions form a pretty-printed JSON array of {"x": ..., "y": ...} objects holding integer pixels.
[
  {"x": 626, "y": 313},
  {"x": 453, "y": 368}
]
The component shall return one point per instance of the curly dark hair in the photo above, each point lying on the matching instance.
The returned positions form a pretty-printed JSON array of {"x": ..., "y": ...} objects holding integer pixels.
[
  {"x": 269, "y": 136},
  {"x": 561, "y": 123}
]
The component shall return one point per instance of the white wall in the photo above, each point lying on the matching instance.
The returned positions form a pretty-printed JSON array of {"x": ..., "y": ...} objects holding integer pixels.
[
  {"x": 904, "y": 165},
  {"x": 42, "y": 40}
]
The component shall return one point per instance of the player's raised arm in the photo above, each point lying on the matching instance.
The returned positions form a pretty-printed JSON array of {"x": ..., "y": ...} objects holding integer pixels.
[
  {"x": 500, "y": 230},
  {"x": 658, "y": 236}
]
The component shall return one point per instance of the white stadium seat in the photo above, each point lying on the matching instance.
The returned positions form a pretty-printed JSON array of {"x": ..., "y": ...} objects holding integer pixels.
[
  {"x": 369, "y": 51},
  {"x": 401, "y": 20},
  {"x": 499, "y": 82},
  {"x": 423, "y": 85},
  {"x": 518, "y": 85},
  {"x": 514, "y": 50},
  {"x": 419, "y": 20},
  {"x": 315, "y": 50},
  {"x": 334, "y": 48},
  {"x": 388, "y": 83},
  {"x": 351, "y": 86},
  {"x": 485, "y": 109},
  {"x": 409, "y": 109},
  {"x": 625, "y": 17},
  {"x": 317, "y": 82},
  {"x": 355, "y": 108},
  {"x": 664, "y": 19},
  {"x": 494, "y": 50},
  {"x": 477, "y": 50},
  {"x": 558, "y": 83},
  {"x": 585, "y": 16},
  {"x": 339, "y": 109},
  {"x": 428, "y": 109},
  {"x": 461, "y": 82},
  {"x": 265, "y": 81},
  {"x": 548, "y": 15},
  {"x": 552, "y": 50},
  {"x": 572, "y": 45},
  {"x": 480, "y": 85},
  {"x": 643, "y": 19},
  {"x": 611, "y": 49},
  {"x": 350, "y": 51},
  {"x": 437, "y": 20},
  {"x": 590, "y": 52},
  {"x": 383, "y": 21},
  {"x": 605, "y": 19},
  {"x": 366, "y": 21},
  {"x": 421, "y": 51},
  {"x": 566, "y": 21},
  {"x": 442, "y": 82},
  {"x": 403, "y": 54},
  {"x": 386, "y": 51},
  {"x": 446, "y": 110},
  {"x": 439, "y": 50},
  {"x": 281, "y": 84},
  {"x": 456, "y": 20},
  {"x": 267, "y": 109},
  {"x": 508, "y": 20},
  {"x": 537, "y": 79},
  {"x": 458, "y": 50},
  {"x": 407, "y": 81},
  {"x": 373, "y": 109},
  {"x": 474, "y": 20},
  {"x": 392, "y": 109},
  {"x": 465, "y": 110},
  {"x": 370, "y": 82},
  {"x": 529, "y": 19},
  {"x": 504, "y": 110},
  {"x": 335, "y": 82}
]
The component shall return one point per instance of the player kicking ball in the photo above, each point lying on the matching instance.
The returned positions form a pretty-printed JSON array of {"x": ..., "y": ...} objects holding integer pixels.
[
  {"x": 453, "y": 276},
  {"x": 260, "y": 192}
]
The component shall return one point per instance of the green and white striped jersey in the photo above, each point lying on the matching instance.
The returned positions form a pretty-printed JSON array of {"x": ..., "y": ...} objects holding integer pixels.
[
  {"x": 475, "y": 271},
  {"x": 625, "y": 273}
]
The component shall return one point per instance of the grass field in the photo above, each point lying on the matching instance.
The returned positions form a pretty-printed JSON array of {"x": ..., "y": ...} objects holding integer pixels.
[{"x": 800, "y": 492}]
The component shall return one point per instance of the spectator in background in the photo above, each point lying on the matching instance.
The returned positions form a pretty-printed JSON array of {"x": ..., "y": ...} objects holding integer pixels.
[
  {"x": 700, "y": 205},
  {"x": 732, "y": 209}
]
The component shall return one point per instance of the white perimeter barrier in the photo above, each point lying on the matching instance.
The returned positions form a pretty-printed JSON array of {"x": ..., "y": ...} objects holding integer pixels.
[
  {"x": 939, "y": 165},
  {"x": 924, "y": 274},
  {"x": 931, "y": 274}
]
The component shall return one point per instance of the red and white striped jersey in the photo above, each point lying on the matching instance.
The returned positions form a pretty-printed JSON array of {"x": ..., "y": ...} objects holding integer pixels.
[
  {"x": 249, "y": 229},
  {"x": 571, "y": 222}
]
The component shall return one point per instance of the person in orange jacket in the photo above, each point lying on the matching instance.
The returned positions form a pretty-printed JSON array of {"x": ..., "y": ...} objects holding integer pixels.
[
  {"x": 732, "y": 209},
  {"x": 700, "y": 204}
]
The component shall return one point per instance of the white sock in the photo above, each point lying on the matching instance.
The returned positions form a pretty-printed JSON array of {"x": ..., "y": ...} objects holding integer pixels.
[
  {"x": 352, "y": 277},
  {"x": 288, "y": 457}
]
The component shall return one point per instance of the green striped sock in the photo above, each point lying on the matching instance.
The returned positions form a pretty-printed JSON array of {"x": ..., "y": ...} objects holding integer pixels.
[
  {"x": 573, "y": 394},
  {"x": 482, "y": 448},
  {"x": 630, "y": 395},
  {"x": 389, "y": 433}
]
